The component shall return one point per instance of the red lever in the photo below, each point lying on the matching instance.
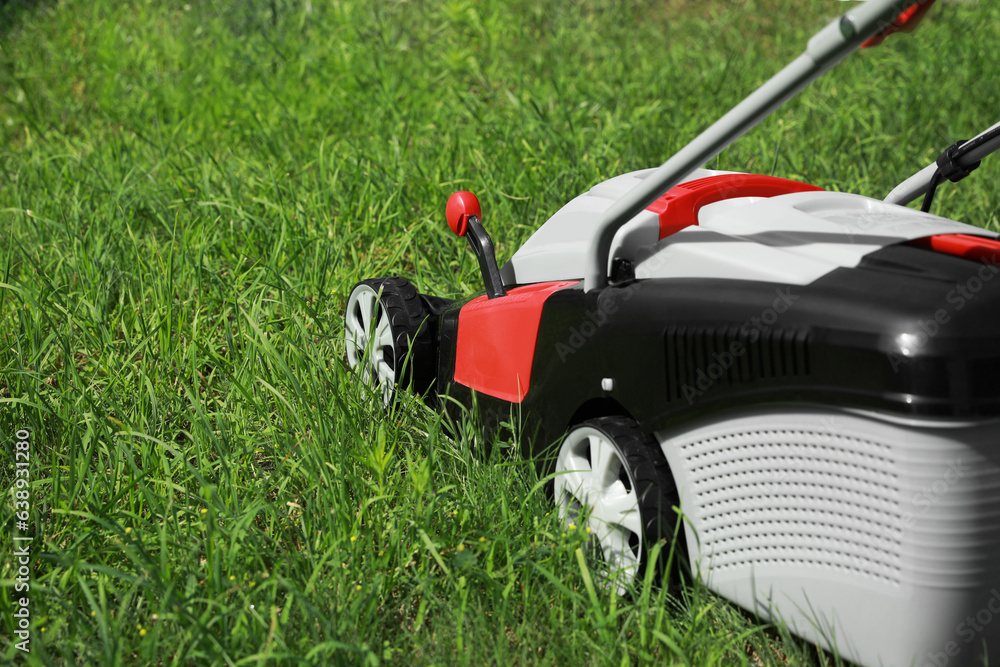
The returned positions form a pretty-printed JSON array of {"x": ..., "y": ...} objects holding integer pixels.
[
  {"x": 464, "y": 217},
  {"x": 461, "y": 206}
]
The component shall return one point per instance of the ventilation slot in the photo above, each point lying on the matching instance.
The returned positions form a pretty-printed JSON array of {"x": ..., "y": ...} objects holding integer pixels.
[
  {"x": 797, "y": 497},
  {"x": 702, "y": 358}
]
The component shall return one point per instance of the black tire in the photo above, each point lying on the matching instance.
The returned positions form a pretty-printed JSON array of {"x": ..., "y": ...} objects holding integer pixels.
[
  {"x": 643, "y": 473},
  {"x": 408, "y": 351}
]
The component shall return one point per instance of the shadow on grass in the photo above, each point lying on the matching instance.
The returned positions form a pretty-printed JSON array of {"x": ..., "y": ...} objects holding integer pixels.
[{"x": 13, "y": 11}]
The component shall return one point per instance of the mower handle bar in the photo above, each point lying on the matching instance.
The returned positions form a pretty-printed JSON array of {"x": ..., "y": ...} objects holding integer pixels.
[
  {"x": 918, "y": 184},
  {"x": 826, "y": 48}
]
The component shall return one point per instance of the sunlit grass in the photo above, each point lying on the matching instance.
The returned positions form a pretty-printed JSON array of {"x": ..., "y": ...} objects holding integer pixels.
[{"x": 189, "y": 191}]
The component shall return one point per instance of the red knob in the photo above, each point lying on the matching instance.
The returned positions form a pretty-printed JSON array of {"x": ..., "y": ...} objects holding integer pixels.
[{"x": 462, "y": 205}]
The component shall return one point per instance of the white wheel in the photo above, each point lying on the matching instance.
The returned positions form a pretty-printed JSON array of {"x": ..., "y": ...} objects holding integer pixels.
[
  {"x": 370, "y": 344},
  {"x": 615, "y": 481},
  {"x": 388, "y": 337},
  {"x": 594, "y": 489}
]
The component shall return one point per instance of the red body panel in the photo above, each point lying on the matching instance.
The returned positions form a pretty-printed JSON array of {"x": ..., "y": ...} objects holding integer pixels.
[
  {"x": 962, "y": 245},
  {"x": 679, "y": 207},
  {"x": 496, "y": 340}
]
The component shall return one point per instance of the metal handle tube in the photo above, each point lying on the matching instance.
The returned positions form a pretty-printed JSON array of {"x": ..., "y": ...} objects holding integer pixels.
[
  {"x": 916, "y": 185},
  {"x": 826, "y": 48}
]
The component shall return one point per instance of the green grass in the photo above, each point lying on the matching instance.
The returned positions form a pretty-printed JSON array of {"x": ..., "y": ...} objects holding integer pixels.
[{"x": 188, "y": 192}]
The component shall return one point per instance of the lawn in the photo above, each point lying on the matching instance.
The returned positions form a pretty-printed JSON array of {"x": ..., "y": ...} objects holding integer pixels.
[{"x": 188, "y": 191}]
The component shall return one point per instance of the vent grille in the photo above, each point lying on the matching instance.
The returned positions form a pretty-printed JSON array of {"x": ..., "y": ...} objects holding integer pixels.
[
  {"x": 700, "y": 358},
  {"x": 795, "y": 496}
]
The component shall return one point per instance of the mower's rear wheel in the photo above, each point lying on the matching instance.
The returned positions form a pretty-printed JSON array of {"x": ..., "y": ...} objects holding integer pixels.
[{"x": 388, "y": 337}]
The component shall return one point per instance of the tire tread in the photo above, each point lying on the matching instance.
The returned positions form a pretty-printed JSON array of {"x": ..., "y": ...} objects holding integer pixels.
[
  {"x": 654, "y": 484},
  {"x": 411, "y": 333}
]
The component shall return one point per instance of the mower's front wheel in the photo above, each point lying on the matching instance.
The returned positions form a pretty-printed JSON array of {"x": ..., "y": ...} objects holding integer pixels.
[
  {"x": 388, "y": 336},
  {"x": 615, "y": 481}
]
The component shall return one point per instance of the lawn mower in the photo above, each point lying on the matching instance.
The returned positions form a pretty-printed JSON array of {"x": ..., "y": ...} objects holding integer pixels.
[{"x": 800, "y": 385}]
